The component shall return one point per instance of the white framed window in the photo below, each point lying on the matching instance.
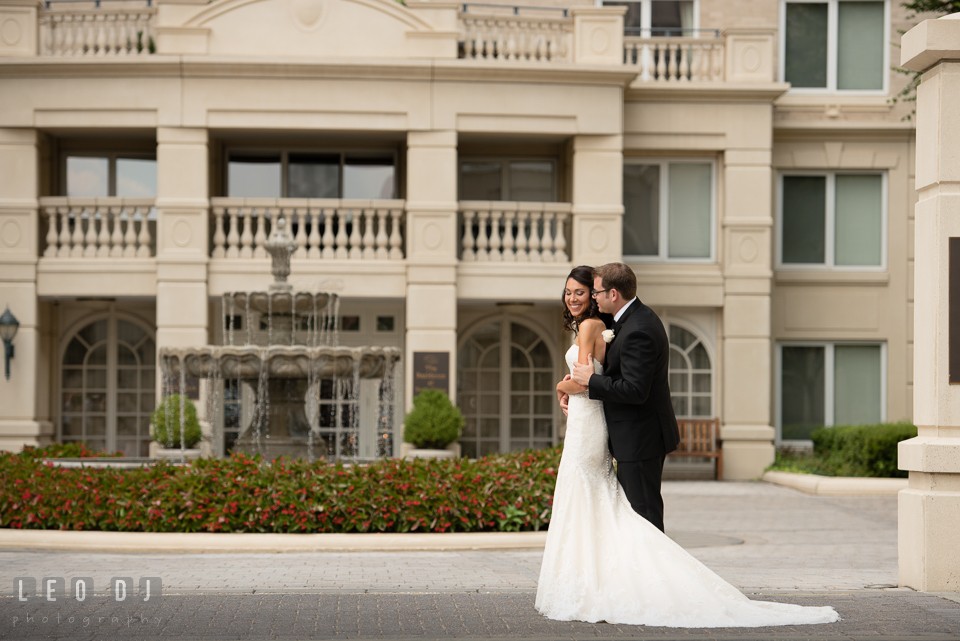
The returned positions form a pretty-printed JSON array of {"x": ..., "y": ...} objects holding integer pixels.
[
  {"x": 832, "y": 220},
  {"x": 829, "y": 383},
  {"x": 835, "y": 45},
  {"x": 513, "y": 179},
  {"x": 691, "y": 374},
  {"x": 659, "y": 18},
  {"x": 257, "y": 173},
  {"x": 670, "y": 210},
  {"x": 108, "y": 174}
]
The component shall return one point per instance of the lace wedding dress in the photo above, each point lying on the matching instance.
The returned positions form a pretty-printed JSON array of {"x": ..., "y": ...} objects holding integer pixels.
[{"x": 604, "y": 562}]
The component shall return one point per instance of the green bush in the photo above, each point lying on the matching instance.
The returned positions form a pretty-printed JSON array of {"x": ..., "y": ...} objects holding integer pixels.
[
  {"x": 434, "y": 422},
  {"x": 169, "y": 412},
  {"x": 501, "y": 492},
  {"x": 63, "y": 450},
  {"x": 850, "y": 450}
]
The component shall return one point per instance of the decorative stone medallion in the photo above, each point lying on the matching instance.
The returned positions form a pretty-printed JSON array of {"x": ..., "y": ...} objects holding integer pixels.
[{"x": 308, "y": 15}]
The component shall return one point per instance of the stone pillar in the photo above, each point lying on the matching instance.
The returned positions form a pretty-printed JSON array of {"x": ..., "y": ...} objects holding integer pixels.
[
  {"x": 182, "y": 230},
  {"x": 19, "y": 28},
  {"x": 598, "y": 35},
  {"x": 20, "y": 422},
  {"x": 747, "y": 359},
  {"x": 432, "y": 242},
  {"x": 929, "y": 510},
  {"x": 597, "y": 228}
]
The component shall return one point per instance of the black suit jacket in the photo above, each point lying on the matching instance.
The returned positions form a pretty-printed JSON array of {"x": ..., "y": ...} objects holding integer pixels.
[{"x": 634, "y": 388}]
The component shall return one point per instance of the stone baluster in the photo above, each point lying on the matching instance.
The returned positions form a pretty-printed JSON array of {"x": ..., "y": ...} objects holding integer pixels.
[
  {"x": 65, "y": 238},
  {"x": 246, "y": 237},
  {"x": 483, "y": 244},
  {"x": 467, "y": 241},
  {"x": 76, "y": 241},
  {"x": 301, "y": 237},
  {"x": 110, "y": 27},
  {"x": 218, "y": 236},
  {"x": 233, "y": 235},
  {"x": 341, "y": 239},
  {"x": 718, "y": 63},
  {"x": 328, "y": 239},
  {"x": 143, "y": 238},
  {"x": 550, "y": 225},
  {"x": 495, "y": 238},
  {"x": 116, "y": 235},
  {"x": 260, "y": 236},
  {"x": 46, "y": 35},
  {"x": 509, "y": 239},
  {"x": 98, "y": 43},
  {"x": 537, "y": 230},
  {"x": 672, "y": 62},
  {"x": 50, "y": 251},
  {"x": 313, "y": 240},
  {"x": 683, "y": 69},
  {"x": 90, "y": 238},
  {"x": 661, "y": 55},
  {"x": 123, "y": 34},
  {"x": 129, "y": 235},
  {"x": 103, "y": 235},
  {"x": 383, "y": 240},
  {"x": 369, "y": 250},
  {"x": 396, "y": 234},
  {"x": 354, "y": 240},
  {"x": 523, "y": 219},
  {"x": 560, "y": 240}
]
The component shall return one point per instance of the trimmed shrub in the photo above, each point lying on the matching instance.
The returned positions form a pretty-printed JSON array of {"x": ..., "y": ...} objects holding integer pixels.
[
  {"x": 508, "y": 493},
  {"x": 434, "y": 422},
  {"x": 849, "y": 450},
  {"x": 167, "y": 415},
  {"x": 63, "y": 450}
]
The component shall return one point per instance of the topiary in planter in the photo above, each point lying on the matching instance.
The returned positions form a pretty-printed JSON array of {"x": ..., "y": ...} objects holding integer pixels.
[
  {"x": 167, "y": 415},
  {"x": 434, "y": 422}
]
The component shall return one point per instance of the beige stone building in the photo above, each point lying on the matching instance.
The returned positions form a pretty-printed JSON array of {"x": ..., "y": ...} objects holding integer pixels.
[{"x": 443, "y": 166}]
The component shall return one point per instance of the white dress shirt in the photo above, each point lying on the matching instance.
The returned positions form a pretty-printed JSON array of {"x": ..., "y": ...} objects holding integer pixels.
[{"x": 617, "y": 316}]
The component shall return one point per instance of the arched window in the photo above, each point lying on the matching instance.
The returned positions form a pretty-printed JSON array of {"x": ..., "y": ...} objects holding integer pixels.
[
  {"x": 107, "y": 387},
  {"x": 505, "y": 389},
  {"x": 691, "y": 375}
]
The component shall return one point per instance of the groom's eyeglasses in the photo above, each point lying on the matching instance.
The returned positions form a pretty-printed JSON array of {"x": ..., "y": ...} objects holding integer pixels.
[{"x": 597, "y": 292}]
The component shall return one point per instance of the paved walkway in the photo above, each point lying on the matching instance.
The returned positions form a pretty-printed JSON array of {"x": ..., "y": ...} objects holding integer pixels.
[{"x": 796, "y": 547}]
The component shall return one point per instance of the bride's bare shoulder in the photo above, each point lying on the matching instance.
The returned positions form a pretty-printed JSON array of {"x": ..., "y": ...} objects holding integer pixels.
[{"x": 592, "y": 326}]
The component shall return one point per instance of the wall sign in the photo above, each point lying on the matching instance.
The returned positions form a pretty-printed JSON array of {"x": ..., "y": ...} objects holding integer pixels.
[{"x": 431, "y": 370}]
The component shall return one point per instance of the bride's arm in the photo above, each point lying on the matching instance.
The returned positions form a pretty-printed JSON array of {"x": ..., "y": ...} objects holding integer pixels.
[{"x": 587, "y": 339}]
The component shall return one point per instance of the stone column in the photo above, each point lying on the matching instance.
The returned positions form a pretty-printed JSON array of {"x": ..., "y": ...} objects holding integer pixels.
[
  {"x": 929, "y": 510},
  {"x": 597, "y": 174},
  {"x": 747, "y": 358},
  {"x": 182, "y": 230},
  {"x": 20, "y": 422},
  {"x": 432, "y": 241}
]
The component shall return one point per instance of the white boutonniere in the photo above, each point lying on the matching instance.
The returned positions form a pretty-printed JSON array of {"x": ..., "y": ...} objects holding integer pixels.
[{"x": 607, "y": 335}]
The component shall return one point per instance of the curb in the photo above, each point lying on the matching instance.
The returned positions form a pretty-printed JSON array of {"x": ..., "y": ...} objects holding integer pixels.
[
  {"x": 255, "y": 542},
  {"x": 837, "y": 485}
]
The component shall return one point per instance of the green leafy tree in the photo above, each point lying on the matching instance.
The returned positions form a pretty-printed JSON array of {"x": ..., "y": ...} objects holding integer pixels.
[
  {"x": 935, "y": 7},
  {"x": 434, "y": 422},
  {"x": 166, "y": 422}
]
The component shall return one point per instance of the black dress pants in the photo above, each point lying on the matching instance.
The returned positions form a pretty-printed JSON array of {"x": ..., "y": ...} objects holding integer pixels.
[{"x": 641, "y": 484}]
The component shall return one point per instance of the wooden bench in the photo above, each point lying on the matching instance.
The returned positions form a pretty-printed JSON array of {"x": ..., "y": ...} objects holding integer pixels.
[{"x": 701, "y": 438}]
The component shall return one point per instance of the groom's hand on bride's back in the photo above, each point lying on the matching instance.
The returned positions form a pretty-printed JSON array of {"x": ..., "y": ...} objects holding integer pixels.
[{"x": 583, "y": 371}]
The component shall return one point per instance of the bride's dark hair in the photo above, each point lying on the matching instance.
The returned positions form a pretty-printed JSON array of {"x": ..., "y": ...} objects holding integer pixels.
[{"x": 584, "y": 276}]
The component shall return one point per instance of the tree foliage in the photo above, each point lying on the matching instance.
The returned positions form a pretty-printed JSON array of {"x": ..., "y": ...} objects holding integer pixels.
[{"x": 936, "y": 7}]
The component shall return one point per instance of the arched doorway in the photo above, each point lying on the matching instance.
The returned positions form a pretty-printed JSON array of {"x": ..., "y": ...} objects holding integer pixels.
[
  {"x": 506, "y": 388},
  {"x": 107, "y": 386}
]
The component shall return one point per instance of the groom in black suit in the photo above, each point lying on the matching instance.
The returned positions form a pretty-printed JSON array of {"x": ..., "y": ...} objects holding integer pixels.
[{"x": 641, "y": 425}]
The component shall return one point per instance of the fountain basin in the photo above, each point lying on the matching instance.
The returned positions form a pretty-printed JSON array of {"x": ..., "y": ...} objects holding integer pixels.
[{"x": 280, "y": 361}]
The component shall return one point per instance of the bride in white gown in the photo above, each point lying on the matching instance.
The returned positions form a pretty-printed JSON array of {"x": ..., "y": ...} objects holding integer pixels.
[{"x": 604, "y": 562}]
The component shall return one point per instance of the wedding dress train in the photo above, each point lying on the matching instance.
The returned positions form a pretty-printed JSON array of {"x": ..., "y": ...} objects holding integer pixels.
[{"x": 604, "y": 562}]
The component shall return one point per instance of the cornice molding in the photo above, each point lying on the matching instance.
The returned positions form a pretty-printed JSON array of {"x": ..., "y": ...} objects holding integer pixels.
[{"x": 705, "y": 92}]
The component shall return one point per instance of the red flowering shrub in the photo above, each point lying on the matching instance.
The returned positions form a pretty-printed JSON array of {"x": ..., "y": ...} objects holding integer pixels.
[
  {"x": 64, "y": 450},
  {"x": 510, "y": 492}
]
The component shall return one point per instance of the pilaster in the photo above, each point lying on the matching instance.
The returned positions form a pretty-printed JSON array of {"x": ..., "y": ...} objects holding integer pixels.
[
  {"x": 597, "y": 199},
  {"x": 19, "y": 230},
  {"x": 432, "y": 242},
  {"x": 929, "y": 510},
  {"x": 182, "y": 236}
]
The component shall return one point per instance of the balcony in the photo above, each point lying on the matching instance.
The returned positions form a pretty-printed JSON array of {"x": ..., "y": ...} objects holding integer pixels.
[
  {"x": 692, "y": 55},
  {"x": 503, "y": 33},
  {"x": 121, "y": 29}
]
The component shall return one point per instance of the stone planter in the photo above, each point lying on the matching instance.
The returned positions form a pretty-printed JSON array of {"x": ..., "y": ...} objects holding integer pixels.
[
  {"x": 157, "y": 451},
  {"x": 408, "y": 451}
]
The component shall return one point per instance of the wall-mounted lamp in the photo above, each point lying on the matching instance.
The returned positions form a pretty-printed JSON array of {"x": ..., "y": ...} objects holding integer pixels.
[{"x": 8, "y": 329}]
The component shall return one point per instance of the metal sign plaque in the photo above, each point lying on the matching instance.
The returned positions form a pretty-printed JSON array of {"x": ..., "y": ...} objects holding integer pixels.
[{"x": 431, "y": 370}]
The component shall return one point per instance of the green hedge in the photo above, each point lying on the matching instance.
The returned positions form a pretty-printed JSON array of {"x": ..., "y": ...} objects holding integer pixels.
[
  {"x": 509, "y": 492},
  {"x": 850, "y": 450},
  {"x": 434, "y": 422}
]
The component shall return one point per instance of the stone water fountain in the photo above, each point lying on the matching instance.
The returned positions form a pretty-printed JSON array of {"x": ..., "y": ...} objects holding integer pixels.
[{"x": 307, "y": 387}]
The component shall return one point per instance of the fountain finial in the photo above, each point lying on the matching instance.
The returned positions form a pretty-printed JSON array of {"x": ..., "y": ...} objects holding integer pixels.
[{"x": 280, "y": 246}]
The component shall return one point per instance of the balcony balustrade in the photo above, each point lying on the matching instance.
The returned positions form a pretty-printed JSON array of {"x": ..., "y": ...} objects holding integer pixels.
[
  {"x": 675, "y": 59},
  {"x": 98, "y": 228},
  {"x": 497, "y": 32},
  {"x": 322, "y": 228},
  {"x": 108, "y": 31},
  {"x": 514, "y": 232}
]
